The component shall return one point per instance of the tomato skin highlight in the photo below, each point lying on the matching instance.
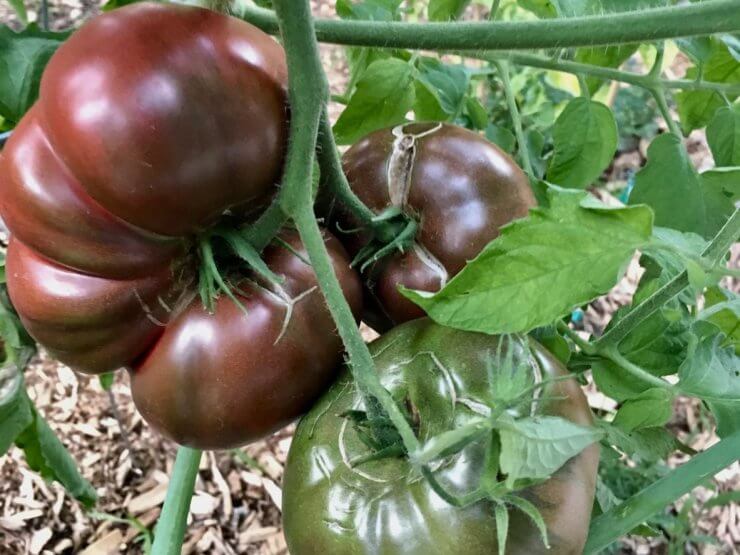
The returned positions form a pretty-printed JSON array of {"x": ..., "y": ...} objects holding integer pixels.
[
  {"x": 168, "y": 115},
  {"x": 216, "y": 381},
  {"x": 385, "y": 508},
  {"x": 460, "y": 188}
]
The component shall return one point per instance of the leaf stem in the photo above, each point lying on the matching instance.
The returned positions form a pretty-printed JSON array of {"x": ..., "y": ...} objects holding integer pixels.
[
  {"x": 170, "y": 529},
  {"x": 584, "y": 345},
  {"x": 308, "y": 91},
  {"x": 612, "y": 353},
  {"x": 606, "y": 73},
  {"x": 706, "y": 18},
  {"x": 660, "y": 99},
  {"x": 618, "y": 521},
  {"x": 719, "y": 246},
  {"x": 503, "y": 69}
]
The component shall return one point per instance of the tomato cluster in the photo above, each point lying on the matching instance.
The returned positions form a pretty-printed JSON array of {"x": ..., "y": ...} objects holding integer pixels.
[
  {"x": 153, "y": 122},
  {"x": 156, "y": 123}
]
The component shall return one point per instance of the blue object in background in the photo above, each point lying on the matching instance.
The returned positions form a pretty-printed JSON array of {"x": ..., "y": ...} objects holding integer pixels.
[
  {"x": 624, "y": 196},
  {"x": 576, "y": 316}
]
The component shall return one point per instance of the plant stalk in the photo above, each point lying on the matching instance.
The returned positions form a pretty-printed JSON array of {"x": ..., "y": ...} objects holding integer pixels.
[
  {"x": 170, "y": 529},
  {"x": 698, "y": 19},
  {"x": 308, "y": 91},
  {"x": 719, "y": 246},
  {"x": 617, "y": 522}
]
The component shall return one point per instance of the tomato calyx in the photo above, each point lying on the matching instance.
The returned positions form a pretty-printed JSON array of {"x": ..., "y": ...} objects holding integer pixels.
[
  {"x": 219, "y": 248},
  {"x": 393, "y": 230}
]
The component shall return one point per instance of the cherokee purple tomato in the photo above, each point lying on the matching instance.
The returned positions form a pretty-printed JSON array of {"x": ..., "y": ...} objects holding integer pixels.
[
  {"x": 220, "y": 380},
  {"x": 153, "y": 120},
  {"x": 459, "y": 188},
  {"x": 385, "y": 507}
]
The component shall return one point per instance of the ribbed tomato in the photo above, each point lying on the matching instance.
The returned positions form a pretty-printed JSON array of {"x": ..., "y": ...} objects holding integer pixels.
[{"x": 155, "y": 122}]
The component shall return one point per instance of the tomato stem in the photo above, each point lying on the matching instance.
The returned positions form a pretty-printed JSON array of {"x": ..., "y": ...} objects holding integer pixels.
[
  {"x": 170, "y": 529},
  {"x": 720, "y": 16},
  {"x": 308, "y": 91}
]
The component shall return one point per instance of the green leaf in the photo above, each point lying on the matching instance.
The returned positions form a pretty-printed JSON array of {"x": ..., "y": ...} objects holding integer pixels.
[
  {"x": 448, "y": 83},
  {"x": 375, "y": 10},
  {"x": 652, "y": 408},
  {"x": 723, "y": 136},
  {"x": 647, "y": 444},
  {"x": 585, "y": 137},
  {"x": 23, "y": 57},
  {"x": 697, "y": 108},
  {"x": 541, "y": 8},
  {"x": 476, "y": 112},
  {"x": 114, "y": 4},
  {"x": 15, "y": 408},
  {"x": 106, "y": 380},
  {"x": 722, "y": 308},
  {"x": 699, "y": 49},
  {"x": 383, "y": 97},
  {"x": 501, "y": 137},
  {"x": 536, "y": 447},
  {"x": 727, "y": 416},
  {"x": 444, "y": 10},
  {"x": 711, "y": 371},
  {"x": 47, "y": 455},
  {"x": 680, "y": 198},
  {"x": 609, "y": 56},
  {"x": 20, "y": 10},
  {"x": 541, "y": 267}
]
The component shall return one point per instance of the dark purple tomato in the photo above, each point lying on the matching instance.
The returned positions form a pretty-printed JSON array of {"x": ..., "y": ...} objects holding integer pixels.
[
  {"x": 460, "y": 189},
  {"x": 220, "y": 380},
  {"x": 153, "y": 122},
  {"x": 385, "y": 507}
]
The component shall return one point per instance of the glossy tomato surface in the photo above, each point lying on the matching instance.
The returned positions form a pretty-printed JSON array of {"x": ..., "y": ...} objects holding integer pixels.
[
  {"x": 221, "y": 380},
  {"x": 459, "y": 188},
  {"x": 153, "y": 122},
  {"x": 384, "y": 507}
]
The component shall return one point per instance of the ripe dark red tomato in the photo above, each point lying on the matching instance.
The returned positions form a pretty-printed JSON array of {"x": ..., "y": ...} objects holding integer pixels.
[
  {"x": 460, "y": 188},
  {"x": 384, "y": 507},
  {"x": 220, "y": 380},
  {"x": 168, "y": 115},
  {"x": 154, "y": 121}
]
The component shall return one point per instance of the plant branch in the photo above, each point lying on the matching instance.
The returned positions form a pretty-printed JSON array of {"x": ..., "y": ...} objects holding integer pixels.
[
  {"x": 170, "y": 529},
  {"x": 333, "y": 174},
  {"x": 612, "y": 353},
  {"x": 606, "y": 73},
  {"x": 503, "y": 69},
  {"x": 618, "y": 521},
  {"x": 714, "y": 252},
  {"x": 308, "y": 94},
  {"x": 706, "y": 18}
]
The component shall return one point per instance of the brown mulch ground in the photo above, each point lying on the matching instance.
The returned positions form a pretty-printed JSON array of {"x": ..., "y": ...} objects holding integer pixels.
[{"x": 236, "y": 507}]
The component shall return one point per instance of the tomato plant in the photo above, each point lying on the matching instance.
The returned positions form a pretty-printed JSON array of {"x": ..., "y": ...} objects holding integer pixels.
[
  {"x": 446, "y": 379},
  {"x": 158, "y": 155}
]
